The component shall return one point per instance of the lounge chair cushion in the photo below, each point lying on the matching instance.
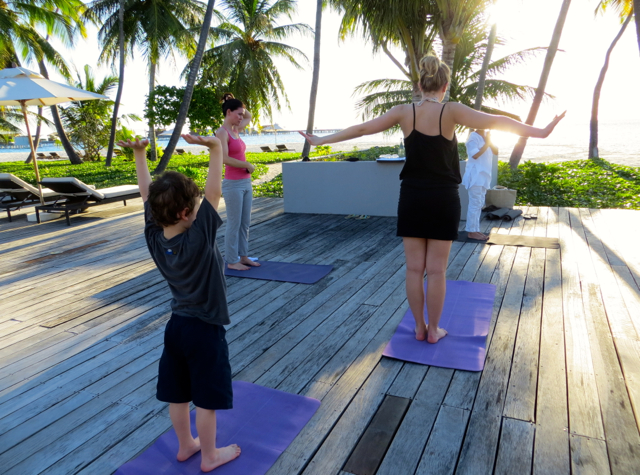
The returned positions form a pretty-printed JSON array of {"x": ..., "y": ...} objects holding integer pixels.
[
  {"x": 10, "y": 183},
  {"x": 70, "y": 186}
]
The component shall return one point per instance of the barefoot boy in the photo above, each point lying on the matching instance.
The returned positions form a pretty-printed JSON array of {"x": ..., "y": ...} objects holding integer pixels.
[
  {"x": 181, "y": 236},
  {"x": 477, "y": 178}
]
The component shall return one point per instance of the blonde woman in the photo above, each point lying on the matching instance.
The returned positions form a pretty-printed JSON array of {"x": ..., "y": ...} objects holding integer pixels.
[{"x": 429, "y": 205}]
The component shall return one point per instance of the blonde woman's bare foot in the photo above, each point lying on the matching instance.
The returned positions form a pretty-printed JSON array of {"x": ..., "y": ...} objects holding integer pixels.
[
  {"x": 237, "y": 266},
  {"x": 184, "y": 453},
  {"x": 421, "y": 333},
  {"x": 220, "y": 457},
  {"x": 434, "y": 337},
  {"x": 478, "y": 236},
  {"x": 248, "y": 262}
]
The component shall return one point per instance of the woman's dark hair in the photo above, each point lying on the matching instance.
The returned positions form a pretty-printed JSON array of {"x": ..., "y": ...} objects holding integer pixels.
[
  {"x": 169, "y": 194},
  {"x": 230, "y": 103}
]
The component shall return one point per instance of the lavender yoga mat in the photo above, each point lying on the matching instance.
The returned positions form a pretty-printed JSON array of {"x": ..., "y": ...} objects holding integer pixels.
[
  {"x": 263, "y": 422},
  {"x": 283, "y": 272},
  {"x": 467, "y": 312}
]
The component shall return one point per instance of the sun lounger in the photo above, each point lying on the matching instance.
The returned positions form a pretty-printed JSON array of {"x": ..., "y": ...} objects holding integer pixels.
[
  {"x": 180, "y": 151},
  {"x": 78, "y": 196},
  {"x": 267, "y": 149},
  {"x": 16, "y": 193},
  {"x": 283, "y": 148},
  {"x": 42, "y": 155}
]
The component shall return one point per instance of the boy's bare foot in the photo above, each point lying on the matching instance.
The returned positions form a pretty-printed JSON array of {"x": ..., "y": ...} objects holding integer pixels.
[
  {"x": 221, "y": 456},
  {"x": 478, "y": 236},
  {"x": 185, "y": 453},
  {"x": 237, "y": 266},
  {"x": 434, "y": 337},
  {"x": 248, "y": 262}
]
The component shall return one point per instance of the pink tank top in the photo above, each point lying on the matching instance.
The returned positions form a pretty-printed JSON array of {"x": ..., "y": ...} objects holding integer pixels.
[{"x": 236, "y": 150}]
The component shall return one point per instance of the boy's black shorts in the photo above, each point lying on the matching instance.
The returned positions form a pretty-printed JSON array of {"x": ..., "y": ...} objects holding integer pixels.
[{"x": 194, "y": 365}]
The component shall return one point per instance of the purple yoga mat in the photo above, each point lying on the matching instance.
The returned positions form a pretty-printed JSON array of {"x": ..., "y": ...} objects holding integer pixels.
[
  {"x": 263, "y": 422},
  {"x": 283, "y": 272},
  {"x": 467, "y": 312}
]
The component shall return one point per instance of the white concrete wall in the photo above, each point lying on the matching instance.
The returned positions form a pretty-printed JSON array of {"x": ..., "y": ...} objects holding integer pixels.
[{"x": 363, "y": 187}]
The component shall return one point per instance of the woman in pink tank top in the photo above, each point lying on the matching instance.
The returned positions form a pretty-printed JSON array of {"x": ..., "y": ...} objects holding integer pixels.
[{"x": 236, "y": 187}]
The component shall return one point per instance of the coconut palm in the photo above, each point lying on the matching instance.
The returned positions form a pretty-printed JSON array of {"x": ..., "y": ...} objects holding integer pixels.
[
  {"x": 248, "y": 42},
  {"x": 593, "y": 125},
  {"x": 518, "y": 150},
  {"x": 453, "y": 18},
  {"x": 625, "y": 8},
  {"x": 408, "y": 24},
  {"x": 315, "y": 78},
  {"x": 194, "y": 68},
  {"x": 383, "y": 94},
  {"x": 158, "y": 28}
]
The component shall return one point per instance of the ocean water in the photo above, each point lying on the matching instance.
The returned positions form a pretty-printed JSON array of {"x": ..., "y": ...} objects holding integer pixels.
[{"x": 619, "y": 142}]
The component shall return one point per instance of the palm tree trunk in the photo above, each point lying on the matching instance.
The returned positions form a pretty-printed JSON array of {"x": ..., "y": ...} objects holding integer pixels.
[
  {"x": 152, "y": 128},
  {"x": 636, "y": 9},
  {"x": 74, "y": 158},
  {"x": 36, "y": 142},
  {"x": 188, "y": 91},
  {"x": 448, "y": 55},
  {"x": 116, "y": 106},
  {"x": 315, "y": 79},
  {"x": 518, "y": 150},
  {"x": 485, "y": 66},
  {"x": 593, "y": 137}
]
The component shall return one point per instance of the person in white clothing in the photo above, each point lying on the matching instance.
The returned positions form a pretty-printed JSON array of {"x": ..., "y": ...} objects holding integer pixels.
[{"x": 477, "y": 178}]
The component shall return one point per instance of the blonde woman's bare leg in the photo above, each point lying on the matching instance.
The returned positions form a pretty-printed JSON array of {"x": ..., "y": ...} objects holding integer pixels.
[
  {"x": 436, "y": 265},
  {"x": 415, "y": 251}
]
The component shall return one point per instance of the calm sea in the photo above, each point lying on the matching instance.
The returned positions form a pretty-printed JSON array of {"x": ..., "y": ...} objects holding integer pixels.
[{"x": 619, "y": 142}]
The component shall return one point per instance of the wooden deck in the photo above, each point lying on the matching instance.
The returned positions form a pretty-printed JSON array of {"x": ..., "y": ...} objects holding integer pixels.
[{"x": 83, "y": 312}]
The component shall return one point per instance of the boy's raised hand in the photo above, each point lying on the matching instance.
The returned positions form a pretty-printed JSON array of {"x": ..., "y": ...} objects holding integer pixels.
[
  {"x": 208, "y": 141},
  {"x": 138, "y": 144}
]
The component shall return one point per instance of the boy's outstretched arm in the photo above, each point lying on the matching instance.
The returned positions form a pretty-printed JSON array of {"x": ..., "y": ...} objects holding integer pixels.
[
  {"x": 142, "y": 170},
  {"x": 213, "y": 185}
]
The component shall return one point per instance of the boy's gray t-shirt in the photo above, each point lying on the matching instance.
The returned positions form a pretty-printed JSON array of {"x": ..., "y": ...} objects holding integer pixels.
[{"x": 192, "y": 265}]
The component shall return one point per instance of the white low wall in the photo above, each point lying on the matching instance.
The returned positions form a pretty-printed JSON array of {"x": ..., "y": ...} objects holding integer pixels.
[{"x": 363, "y": 187}]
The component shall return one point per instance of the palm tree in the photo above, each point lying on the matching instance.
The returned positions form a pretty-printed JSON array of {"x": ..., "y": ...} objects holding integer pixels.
[
  {"x": 157, "y": 27},
  {"x": 19, "y": 39},
  {"x": 250, "y": 40},
  {"x": 188, "y": 93},
  {"x": 316, "y": 77},
  {"x": 485, "y": 66},
  {"x": 408, "y": 24},
  {"x": 626, "y": 8},
  {"x": 593, "y": 125},
  {"x": 383, "y": 94},
  {"x": 454, "y": 16},
  {"x": 516, "y": 154}
]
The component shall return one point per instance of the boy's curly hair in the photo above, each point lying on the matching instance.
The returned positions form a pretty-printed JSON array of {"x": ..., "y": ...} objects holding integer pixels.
[{"x": 169, "y": 194}]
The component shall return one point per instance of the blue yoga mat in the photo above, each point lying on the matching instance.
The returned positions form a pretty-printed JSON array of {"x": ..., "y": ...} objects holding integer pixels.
[
  {"x": 263, "y": 422},
  {"x": 283, "y": 272},
  {"x": 467, "y": 312}
]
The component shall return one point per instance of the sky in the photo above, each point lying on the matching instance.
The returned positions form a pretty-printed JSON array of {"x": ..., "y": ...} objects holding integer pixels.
[{"x": 346, "y": 64}]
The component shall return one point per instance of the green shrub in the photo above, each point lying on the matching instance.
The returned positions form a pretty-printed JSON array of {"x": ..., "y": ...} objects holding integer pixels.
[
  {"x": 271, "y": 188},
  {"x": 593, "y": 183}
]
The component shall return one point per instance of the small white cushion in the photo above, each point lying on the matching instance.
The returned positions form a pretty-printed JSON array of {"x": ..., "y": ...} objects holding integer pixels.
[{"x": 121, "y": 190}]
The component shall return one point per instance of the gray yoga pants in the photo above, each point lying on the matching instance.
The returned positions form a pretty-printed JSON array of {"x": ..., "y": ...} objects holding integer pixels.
[{"x": 238, "y": 196}]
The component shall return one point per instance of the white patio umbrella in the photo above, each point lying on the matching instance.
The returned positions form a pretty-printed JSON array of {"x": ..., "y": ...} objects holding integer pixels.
[{"x": 21, "y": 87}]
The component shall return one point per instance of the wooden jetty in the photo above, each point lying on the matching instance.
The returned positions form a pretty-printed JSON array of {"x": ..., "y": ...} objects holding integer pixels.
[{"x": 83, "y": 310}]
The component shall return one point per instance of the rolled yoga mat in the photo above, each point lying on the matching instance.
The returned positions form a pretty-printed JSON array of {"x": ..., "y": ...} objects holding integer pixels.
[
  {"x": 513, "y": 240},
  {"x": 263, "y": 422},
  {"x": 283, "y": 272},
  {"x": 467, "y": 312}
]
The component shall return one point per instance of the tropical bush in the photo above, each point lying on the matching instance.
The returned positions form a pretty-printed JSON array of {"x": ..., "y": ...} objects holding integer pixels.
[
  {"x": 594, "y": 183},
  {"x": 272, "y": 188}
]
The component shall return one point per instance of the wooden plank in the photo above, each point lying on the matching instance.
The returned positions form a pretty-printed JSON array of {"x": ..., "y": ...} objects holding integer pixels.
[
  {"x": 589, "y": 456},
  {"x": 441, "y": 453},
  {"x": 516, "y": 447},
  {"x": 370, "y": 449},
  {"x": 409, "y": 442},
  {"x": 551, "y": 449}
]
